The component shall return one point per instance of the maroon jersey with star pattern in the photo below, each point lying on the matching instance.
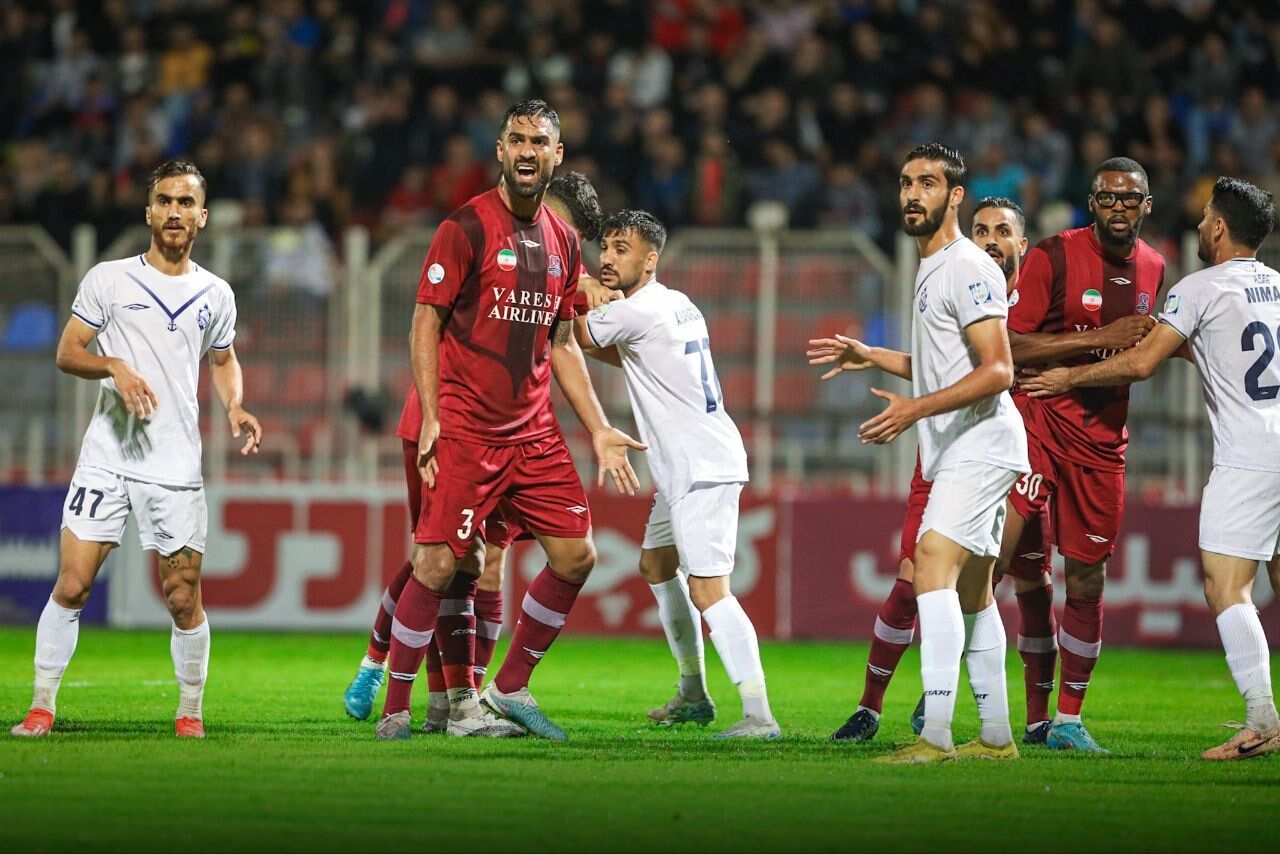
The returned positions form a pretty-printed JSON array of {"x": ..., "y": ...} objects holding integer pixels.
[
  {"x": 506, "y": 281},
  {"x": 1068, "y": 284}
]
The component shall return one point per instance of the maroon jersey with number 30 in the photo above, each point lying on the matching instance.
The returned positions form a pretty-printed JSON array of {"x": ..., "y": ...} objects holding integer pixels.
[
  {"x": 506, "y": 281},
  {"x": 1068, "y": 284}
]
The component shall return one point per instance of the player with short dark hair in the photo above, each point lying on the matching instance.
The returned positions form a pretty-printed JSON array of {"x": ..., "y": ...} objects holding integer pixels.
[
  {"x": 972, "y": 446},
  {"x": 493, "y": 323},
  {"x": 696, "y": 457},
  {"x": 1229, "y": 317},
  {"x": 1084, "y": 295},
  {"x": 998, "y": 229},
  {"x": 153, "y": 316},
  {"x": 572, "y": 196}
]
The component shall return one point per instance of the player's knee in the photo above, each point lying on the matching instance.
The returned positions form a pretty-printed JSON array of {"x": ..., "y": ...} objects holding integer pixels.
[
  {"x": 576, "y": 564},
  {"x": 495, "y": 564},
  {"x": 1086, "y": 581},
  {"x": 434, "y": 567},
  {"x": 705, "y": 592},
  {"x": 71, "y": 591},
  {"x": 652, "y": 568},
  {"x": 181, "y": 600}
]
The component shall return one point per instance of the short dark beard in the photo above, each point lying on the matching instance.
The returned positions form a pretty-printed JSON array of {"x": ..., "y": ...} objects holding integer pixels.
[
  {"x": 929, "y": 225},
  {"x": 1203, "y": 252},
  {"x": 170, "y": 253},
  {"x": 1105, "y": 238},
  {"x": 1007, "y": 266},
  {"x": 515, "y": 188}
]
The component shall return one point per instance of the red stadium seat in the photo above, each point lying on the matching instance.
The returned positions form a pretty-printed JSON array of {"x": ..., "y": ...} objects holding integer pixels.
[
  {"x": 732, "y": 334},
  {"x": 305, "y": 385},
  {"x": 794, "y": 390}
]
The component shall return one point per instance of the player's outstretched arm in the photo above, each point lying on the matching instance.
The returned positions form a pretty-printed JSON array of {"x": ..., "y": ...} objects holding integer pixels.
[
  {"x": 1040, "y": 348},
  {"x": 610, "y": 444},
  {"x": 849, "y": 354},
  {"x": 608, "y": 355},
  {"x": 1133, "y": 365},
  {"x": 993, "y": 375},
  {"x": 424, "y": 358},
  {"x": 74, "y": 358},
  {"x": 228, "y": 382}
]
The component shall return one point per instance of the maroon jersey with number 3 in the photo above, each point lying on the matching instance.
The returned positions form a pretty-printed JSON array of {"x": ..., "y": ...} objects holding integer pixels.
[
  {"x": 1067, "y": 284},
  {"x": 506, "y": 280}
]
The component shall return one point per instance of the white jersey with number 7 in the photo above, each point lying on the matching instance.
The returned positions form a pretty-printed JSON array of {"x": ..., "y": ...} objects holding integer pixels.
[{"x": 665, "y": 349}]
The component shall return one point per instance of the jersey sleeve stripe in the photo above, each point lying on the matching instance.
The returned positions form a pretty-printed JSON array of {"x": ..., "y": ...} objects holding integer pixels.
[{"x": 86, "y": 320}]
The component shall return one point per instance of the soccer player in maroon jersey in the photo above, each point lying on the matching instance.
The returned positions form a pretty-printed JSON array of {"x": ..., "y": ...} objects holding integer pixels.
[
  {"x": 493, "y": 323},
  {"x": 574, "y": 199},
  {"x": 1083, "y": 295},
  {"x": 999, "y": 228}
]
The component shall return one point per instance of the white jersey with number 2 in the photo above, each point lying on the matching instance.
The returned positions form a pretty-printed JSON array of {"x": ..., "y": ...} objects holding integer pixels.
[
  {"x": 665, "y": 349},
  {"x": 162, "y": 326},
  {"x": 1230, "y": 314}
]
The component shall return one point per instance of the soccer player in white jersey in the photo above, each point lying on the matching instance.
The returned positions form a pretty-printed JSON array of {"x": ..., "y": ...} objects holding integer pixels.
[
  {"x": 698, "y": 463},
  {"x": 1229, "y": 314},
  {"x": 972, "y": 446},
  {"x": 154, "y": 316}
]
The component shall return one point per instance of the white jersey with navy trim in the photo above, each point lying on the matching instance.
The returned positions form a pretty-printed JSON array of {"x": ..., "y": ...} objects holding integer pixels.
[
  {"x": 1230, "y": 315},
  {"x": 665, "y": 349},
  {"x": 162, "y": 326},
  {"x": 957, "y": 286}
]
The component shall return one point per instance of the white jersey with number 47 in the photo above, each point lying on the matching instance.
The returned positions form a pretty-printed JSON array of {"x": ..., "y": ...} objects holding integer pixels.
[
  {"x": 675, "y": 395},
  {"x": 1230, "y": 314},
  {"x": 162, "y": 326}
]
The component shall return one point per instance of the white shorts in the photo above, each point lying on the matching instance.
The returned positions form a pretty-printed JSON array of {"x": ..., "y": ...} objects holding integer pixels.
[
  {"x": 1240, "y": 513},
  {"x": 702, "y": 525},
  {"x": 966, "y": 505},
  {"x": 169, "y": 517}
]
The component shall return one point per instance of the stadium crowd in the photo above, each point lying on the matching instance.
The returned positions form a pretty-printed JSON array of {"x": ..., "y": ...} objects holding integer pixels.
[{"x": 331, "y": 112}]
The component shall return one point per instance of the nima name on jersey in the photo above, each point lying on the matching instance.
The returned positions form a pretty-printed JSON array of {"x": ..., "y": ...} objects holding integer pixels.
[
  {"x": 539, "y": 309},
  {"x": 1265, "y": 293}
]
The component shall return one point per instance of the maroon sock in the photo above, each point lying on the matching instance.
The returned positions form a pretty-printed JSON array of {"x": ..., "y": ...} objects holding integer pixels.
[
  {"x": 411, "y": 632},
  {"x": 1080, "y": 643},
  {"x": 542, "y": 615},
  {"x": 488, "y": 627},
  {"x": 456, "y": 631},
  {"x": 380, "y": 637},
  {"x": 895, "y": 627},
  {"x": 435, "y": 670},
  {"x": 1038, "y": 646}
]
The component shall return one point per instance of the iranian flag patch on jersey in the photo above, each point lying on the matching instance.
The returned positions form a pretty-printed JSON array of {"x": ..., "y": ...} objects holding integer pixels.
[
  {"x": 507, "y": 260},
  {"x": 1092, "y": 300}
]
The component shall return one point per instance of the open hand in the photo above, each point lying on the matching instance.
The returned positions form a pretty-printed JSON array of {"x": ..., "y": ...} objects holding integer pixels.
[
  {"x": 849, "y": 354},
  {"x": 611, "y": 445},
  {"x": 899, "y": 415}
]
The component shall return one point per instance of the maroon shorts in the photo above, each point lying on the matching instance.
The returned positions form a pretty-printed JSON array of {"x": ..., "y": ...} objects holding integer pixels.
[
  {"x": 1031, "y": 559},
  {"x": 1087, "y": 504},
  {"x": 536, "y": 481},
  {"x": 501, "y": 529}
]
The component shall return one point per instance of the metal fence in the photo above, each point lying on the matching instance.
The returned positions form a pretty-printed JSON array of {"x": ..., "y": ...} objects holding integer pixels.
[{"x": 323, "y": 334}]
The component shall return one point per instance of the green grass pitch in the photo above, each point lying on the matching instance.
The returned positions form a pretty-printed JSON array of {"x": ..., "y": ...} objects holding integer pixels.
[{"x": 283, "y": 769}]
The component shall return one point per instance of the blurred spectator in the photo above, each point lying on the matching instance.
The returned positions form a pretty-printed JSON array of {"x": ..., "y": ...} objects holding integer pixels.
[
  {"x": 298, "y": 258},
  {"x": 695, "y": 107}
]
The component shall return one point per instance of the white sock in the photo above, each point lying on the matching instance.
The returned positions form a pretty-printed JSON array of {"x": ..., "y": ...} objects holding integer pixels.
[
  {"x": 735, "y": 640},
  {"x": 1064, "y": 718},
  {"x": 875, "y": 716},
  {"x": 438, "y": 705},
  {"x": 1250, "y": 662},
  {"x": 941, "y": 643},
  {"x": 369, "y": 662},
  {"x": 56, "y": 636},
  {"x": 463, "y": 703},
  {"x": 190, "y": 651},
  {"x": 683, "y": 627},
  {"x": 987, "y": 644}
]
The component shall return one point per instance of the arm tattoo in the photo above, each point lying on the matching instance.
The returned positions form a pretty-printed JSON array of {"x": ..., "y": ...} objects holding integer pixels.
[{"x": 562, "y": 332}]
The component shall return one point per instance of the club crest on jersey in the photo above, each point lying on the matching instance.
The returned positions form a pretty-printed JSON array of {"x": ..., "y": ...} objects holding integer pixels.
[
  {"x": 203, "y": 317},
  {"x": 923, "y": 303},
  {"x": 555, "y": 267},
  {"x": 435, "y": 274},
  {"x": 981, "y": 293},
  {"x": 1091, "y": 299},
  {"x": 1172, "y": 303},
  {"x": 1144, "y": 303},
  {"x": 506, "y": 259}
]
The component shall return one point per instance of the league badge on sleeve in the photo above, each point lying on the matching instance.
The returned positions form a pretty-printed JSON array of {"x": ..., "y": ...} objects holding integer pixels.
[
  {"x": 981, "y": 293},
  {"x": 1171, "y": 304},
  {"x": 435, "y": 274}
]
